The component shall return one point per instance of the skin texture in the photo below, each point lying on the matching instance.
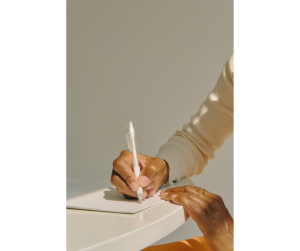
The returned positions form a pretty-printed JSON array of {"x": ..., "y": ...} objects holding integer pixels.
[
  {"x": 154, "y": 172},
  {"x": 208, "y": 211}
]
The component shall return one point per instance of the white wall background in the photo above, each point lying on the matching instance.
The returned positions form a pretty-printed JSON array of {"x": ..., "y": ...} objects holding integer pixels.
[{"x": 152, "y": 62}]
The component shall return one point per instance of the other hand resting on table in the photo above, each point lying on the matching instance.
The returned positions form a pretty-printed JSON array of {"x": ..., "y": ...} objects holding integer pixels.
[{"x": 208, "y": 211}]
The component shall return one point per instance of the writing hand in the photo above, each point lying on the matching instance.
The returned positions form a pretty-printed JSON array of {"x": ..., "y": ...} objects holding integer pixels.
[{"x": 154, "y": 172}]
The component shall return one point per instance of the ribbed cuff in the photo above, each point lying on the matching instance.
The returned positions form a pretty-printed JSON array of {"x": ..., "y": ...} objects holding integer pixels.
[{"x": 175, "y": 173}]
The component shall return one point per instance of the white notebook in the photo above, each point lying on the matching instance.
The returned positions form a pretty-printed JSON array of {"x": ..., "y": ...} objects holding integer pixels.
[{"x": 107, "y": 199}]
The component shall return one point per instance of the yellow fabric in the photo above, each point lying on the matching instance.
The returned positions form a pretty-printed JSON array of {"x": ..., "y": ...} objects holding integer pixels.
[{"x": 196, "y": 243}]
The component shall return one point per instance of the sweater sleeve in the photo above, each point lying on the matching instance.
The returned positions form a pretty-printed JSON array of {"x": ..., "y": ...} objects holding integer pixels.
[{"x": 188, "y": 151}]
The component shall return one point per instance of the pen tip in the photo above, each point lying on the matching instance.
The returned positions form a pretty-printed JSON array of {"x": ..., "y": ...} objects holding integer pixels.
[{"x": 140, "y": 196}]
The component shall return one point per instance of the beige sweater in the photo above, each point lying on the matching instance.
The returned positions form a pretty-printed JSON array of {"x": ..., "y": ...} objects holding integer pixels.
[{"x": 188, "y": 150}]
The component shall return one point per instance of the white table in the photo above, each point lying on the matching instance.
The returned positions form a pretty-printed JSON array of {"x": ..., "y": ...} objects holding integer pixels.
[{"x": 91, "y": 230}]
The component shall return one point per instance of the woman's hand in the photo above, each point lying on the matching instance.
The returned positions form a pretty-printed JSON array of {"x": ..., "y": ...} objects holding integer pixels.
[
  {"x": 208, "y": 211},
  {"x": 154, "y": 172}
]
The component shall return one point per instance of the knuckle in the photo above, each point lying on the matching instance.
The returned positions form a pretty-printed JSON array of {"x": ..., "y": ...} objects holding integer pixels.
[
  {"x": 206, "y": 207},
  {"x": 215, "y": 204},
  {"x": 127, "y": 177},
  {"x": 152, "y": 168},
  {"x": 114, "y": 180},
  {"x": 216, "y": 198},
  {"x": 192, "y": 206},
  {"x": 170, "y": 190},
  {"x": 116, "y": 163},
  {"x": 219, "y": 199},
  {"x": 188, "y": 188},
  {"x": 192, "y": 196},
  {"x": 124, "y": 152}
]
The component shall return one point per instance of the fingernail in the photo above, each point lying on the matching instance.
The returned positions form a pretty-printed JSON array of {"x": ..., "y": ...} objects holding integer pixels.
[
  {"x": 174, "y": 196},
  {"x": 149, "y": 186},
  {"x": 134, "y": 186},
  {"x": 162, "y": 192},
  {"x": 152, "y": 192},
  {"x": 165, "y": 194},
  {"x": 144, "y": 181}
]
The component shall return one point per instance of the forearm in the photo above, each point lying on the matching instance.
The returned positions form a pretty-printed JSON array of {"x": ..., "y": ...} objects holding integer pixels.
[{"x": 188, "y": 150}]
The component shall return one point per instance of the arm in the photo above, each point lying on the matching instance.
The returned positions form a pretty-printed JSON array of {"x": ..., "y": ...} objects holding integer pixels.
[{"x": 188, "y": 150}]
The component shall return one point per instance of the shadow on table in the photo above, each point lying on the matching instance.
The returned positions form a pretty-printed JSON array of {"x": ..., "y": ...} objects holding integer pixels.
[
  {"x": 76, "y": 187},
  {"x": 112, "y": 194}
]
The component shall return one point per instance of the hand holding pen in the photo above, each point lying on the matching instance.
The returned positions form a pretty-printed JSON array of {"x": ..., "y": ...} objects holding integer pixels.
[
  {"x": 153, "y": 174},
  {"x": 132, "y": 145}
]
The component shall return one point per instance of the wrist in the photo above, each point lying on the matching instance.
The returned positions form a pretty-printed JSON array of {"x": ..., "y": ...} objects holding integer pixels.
[{"x": 166, "y": 181}]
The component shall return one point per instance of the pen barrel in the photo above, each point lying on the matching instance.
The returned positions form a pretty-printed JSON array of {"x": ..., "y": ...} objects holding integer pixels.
[
  {"x": 135, "y": 153},
  {"x": 136, "y": 170},
  {"x": 135, "y": 160}
]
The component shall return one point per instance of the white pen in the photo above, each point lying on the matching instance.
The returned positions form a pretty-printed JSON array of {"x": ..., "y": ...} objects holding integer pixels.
[{"x": 131, "y": 141}]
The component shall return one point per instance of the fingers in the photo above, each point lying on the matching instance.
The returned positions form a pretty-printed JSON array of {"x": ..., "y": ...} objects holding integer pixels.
[
  {"x": 190, "y": 189},
  {"x": 193, "y": 193},
  {"x": 215, "y": 201},
  {"x": 153, "y": 175},
  {"x": 191, "y": 196},
  {"x": 123, "y": 166},
  {"x": 207, "y": 210},
  {"x": 204, "y": 207},
  {"x": 196, "y": 207},
  {"x": 155, "y": 167},
  {"x": 151, "y": 192},
  {"x": 122, "y": 187},
  {"x": 150, "y": 186}
]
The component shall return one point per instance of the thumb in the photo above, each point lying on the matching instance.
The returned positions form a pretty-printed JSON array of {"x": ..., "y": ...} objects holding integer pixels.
[{"x": 151, "y": 170}]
